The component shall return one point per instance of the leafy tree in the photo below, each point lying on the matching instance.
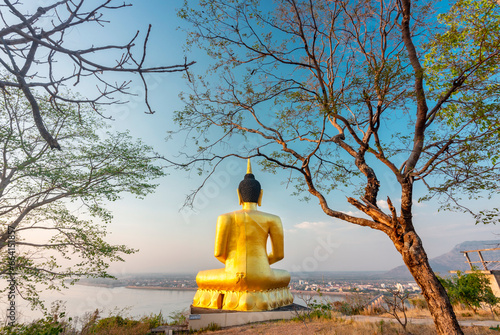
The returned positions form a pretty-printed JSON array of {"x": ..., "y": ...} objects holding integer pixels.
[
  {"x": 55, "y": 201},
  {"x": 39, "y": 53},
  {"x": 491, "y": 300},
  {"x": 341, "y": 92},
  {"x": 470, "y": 289}
]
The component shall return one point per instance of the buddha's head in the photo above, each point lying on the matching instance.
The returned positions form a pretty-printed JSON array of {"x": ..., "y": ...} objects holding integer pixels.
[{"x": 249, "y": 189}]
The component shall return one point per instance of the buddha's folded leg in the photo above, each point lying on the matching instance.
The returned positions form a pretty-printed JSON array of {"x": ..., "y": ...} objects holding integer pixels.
[
  {"x": 280, "y": 278},
  {"x": 272, "y": 280},
  {"x": 219, "y": 289},
  {"x": 212, "y": 279},
  {"x": 210, "y": 283}
]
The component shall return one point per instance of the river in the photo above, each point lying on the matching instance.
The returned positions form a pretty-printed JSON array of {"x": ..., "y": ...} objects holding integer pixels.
[{"x": 80, "y": 299}]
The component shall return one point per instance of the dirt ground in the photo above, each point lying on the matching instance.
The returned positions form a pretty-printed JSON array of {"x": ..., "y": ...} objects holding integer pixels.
[{"x": 340, "y": 327}]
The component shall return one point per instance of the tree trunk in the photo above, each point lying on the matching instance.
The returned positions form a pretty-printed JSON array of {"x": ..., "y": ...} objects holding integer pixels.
[{"x": 416, "y": 260}]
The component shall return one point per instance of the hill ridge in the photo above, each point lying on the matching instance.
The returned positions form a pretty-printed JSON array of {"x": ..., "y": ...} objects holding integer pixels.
[{"x": 453, "y": 259}]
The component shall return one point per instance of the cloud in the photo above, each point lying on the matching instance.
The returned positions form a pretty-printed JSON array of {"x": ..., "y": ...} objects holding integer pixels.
[
  {"x": 320, "y": 227},
  {"x": 352, "y": 213},
  {"x": 310, "y": 225},
  {"x": 382, "y": 204},
  {"x": 358, "y": 214}
]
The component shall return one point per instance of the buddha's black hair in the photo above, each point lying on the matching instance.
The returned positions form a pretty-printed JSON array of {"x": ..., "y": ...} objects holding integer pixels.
[{"x": 249, "y": 188}]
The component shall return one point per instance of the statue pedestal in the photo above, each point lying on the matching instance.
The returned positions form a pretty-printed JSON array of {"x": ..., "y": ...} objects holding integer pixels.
[
  {"x": 203, "y": 317},
  {"x": 254, "y": 301}
]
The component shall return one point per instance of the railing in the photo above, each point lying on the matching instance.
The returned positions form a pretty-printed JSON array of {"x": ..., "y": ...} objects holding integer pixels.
[
  {"x": 481, "y": 259},
  {"x": 375, "y": 302}
]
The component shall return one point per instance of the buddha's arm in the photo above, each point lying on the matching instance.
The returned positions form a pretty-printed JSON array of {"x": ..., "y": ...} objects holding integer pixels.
[
  {"x": 277, "y": 242},
  {"x": 221, "y": 236}
]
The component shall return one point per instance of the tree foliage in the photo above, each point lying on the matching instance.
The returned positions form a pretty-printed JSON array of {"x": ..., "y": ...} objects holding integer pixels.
[
  {"x": 40, "y": 54},
  {"x": 467, "y": 52},
  {"x": 55, "y": 201},
  {"x": 340, "y": 93},
  {"x": 470, "y": 289}
]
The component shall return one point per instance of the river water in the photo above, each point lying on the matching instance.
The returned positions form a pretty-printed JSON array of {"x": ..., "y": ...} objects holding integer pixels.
[{"x": 79, "y": 300}]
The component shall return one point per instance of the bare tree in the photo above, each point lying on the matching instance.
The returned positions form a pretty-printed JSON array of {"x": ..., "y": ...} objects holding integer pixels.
[
  {"x": 340, "y": 92},
  {"x": 396, "y": 303},
  {"x": 34, "y": 55}
]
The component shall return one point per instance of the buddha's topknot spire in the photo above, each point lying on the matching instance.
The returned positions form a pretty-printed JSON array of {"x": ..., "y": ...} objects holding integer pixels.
[{"x": 249, "y": 188}]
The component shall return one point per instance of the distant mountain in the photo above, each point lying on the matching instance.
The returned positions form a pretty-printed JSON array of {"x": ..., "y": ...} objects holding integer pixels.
[{"x": 454, "y": 259}]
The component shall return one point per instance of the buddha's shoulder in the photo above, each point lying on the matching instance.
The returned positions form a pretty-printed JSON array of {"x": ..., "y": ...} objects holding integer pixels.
[
  {"x": 269, "y": 215},
  {"x": 242, "y": 212}
]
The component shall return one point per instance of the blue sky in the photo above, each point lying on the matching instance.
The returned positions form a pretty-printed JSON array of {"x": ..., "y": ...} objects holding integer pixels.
[{"x": 172, "y": 239}]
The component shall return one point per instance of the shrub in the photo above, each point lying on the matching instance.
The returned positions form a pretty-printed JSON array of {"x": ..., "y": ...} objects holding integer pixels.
[
  {"x": 46, "y": 326},
  {"x": 320, "y": 310},
  {"x": 470, "y": 289},
  {"x": 419, "y": 303},
  {"x": 57, "y": 324},
  {"x": 317, "y": 309},
  {"x": 118, "y": 325},
  {"x": 178, "y": 317},
  {"x": 154, "y": 320},
  {"x": 354, "y": 304}
]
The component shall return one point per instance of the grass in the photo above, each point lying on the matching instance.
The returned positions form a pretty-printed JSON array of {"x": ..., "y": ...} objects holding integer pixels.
[
  {"x": 89, "y": 324},
  {"x": 334, "y": 324},
  {"x": 323, "y": 318},
  {"x": 326, "y": 317},
  {"x": 461, "y": 312},
  {"x": 341, "y": 327}
]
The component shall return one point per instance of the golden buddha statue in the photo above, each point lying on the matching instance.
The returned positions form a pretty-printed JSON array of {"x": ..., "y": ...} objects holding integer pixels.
[{"x": 247, "y": 283}]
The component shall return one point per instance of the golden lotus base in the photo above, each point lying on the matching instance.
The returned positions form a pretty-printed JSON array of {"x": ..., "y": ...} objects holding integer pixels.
[{"x": 243, "y": 300}]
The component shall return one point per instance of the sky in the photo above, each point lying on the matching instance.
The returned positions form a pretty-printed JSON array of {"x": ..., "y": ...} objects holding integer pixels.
[{"x": 174, "y": 239}]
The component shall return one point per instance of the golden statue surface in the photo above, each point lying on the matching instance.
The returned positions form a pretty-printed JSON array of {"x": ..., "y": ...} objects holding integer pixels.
[{"x": 247, "y": 282}]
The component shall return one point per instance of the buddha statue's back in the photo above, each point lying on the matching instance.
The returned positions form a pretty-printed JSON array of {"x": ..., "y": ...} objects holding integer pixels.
[{"x": 247, "y": 281}]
